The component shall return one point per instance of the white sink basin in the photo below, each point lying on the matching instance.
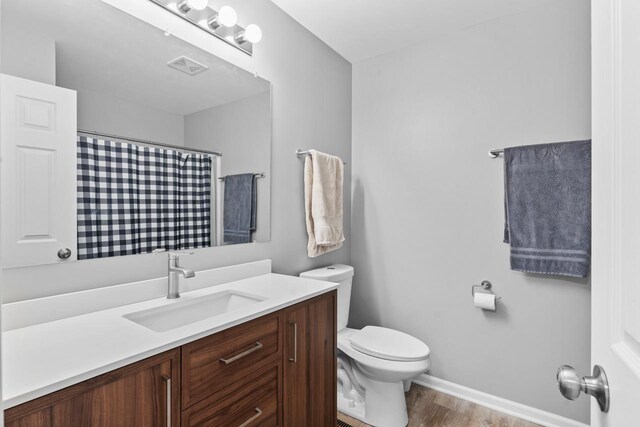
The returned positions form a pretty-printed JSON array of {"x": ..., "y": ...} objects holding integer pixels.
[{"x": 181, "y": 313}]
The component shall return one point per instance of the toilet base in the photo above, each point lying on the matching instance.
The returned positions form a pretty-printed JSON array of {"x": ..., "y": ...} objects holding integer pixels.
[
  {"x": 380, "y": 404},
  {"x": 383, "y": 407},
  {"x": 372, "y": 389},
  {"x": 351, "y": 408}
]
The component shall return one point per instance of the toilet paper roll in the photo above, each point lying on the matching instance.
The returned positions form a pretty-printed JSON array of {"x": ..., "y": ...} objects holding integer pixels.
[{"x": 485, "y": 300}]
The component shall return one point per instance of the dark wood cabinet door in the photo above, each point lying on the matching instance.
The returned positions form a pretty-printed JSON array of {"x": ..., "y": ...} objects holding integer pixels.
[
  {"x": 40, "y": 418},
  {"x": 310, "y": 363},
  {"x": 296, "y": 367},
  {"x": 143, "y": 394},
  {"x": 322, "y": 361}
]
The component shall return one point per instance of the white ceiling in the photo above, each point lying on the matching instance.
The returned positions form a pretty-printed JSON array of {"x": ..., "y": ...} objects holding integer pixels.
[{"x": 362, "y": 29}]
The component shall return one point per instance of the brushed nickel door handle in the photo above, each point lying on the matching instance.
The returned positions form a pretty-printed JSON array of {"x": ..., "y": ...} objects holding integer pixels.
[
  {"x": 294, "y": 359},
  {"x": 256, "y": 347},
  {"x": 167, "y": 381},
  {"x": 64, "y": 253},
  {"x": 597, "y": 385},
  {"x": 252, "y": 419}
]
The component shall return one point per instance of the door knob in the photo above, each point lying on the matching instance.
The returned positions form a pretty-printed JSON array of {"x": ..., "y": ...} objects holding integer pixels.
[
  {"x": 64, "y": 253},
  {"x": 570, "y": 385}
]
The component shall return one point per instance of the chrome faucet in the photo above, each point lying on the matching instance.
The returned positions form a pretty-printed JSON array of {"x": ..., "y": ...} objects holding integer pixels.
[
  {"x": 174, "y": 271},
  {"x": 174, "y": 274}
]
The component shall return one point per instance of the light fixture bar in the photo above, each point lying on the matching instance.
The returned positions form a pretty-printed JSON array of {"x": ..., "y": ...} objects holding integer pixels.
[{"x": 204, "y": 19}]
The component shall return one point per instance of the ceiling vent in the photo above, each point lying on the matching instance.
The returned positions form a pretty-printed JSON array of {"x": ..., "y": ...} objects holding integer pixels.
[{"x": 187, "y": 65}]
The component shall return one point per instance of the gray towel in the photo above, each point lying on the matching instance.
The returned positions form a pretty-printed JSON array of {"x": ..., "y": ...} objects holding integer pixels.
[
  {"x": 240, "y": 200},
  {"x": 548, "y": 207}
]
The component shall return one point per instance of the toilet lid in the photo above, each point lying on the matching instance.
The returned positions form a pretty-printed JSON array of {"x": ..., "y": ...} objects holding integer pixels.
[{"x": 389, "y": 344}]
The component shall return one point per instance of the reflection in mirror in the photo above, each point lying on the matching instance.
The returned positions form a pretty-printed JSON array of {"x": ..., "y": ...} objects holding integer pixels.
[{"x": 173, "y": 144}]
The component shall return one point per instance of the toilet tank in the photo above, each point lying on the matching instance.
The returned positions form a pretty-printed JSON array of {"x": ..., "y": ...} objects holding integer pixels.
[{"x": 342, "y": 274}]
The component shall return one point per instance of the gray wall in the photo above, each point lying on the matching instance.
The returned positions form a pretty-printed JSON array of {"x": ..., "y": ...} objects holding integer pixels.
[
  {"x": 107, "y": 113},
  {"x": 241, "y": 131},
  {"x": 427, "y": 200},
  {"x": 27, "y": 54},
  {"x": 311, "y": 109}
]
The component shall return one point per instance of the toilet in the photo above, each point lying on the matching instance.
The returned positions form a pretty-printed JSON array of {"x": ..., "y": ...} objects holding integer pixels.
[{"x": 375, "y": 364}]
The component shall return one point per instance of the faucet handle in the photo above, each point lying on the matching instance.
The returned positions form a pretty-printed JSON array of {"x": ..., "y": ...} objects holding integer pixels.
[
  {"x": 175, "y": 255},
  {"x": 158, "y": 250},
  {"x": 180, "y": 253}
]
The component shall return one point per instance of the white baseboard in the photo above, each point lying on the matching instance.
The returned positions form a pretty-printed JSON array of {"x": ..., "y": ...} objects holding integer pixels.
[{"x": 497, "y": 403}]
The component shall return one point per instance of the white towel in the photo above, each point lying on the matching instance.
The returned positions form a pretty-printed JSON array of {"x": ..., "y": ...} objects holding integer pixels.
[{"x": 323, "y": 181}]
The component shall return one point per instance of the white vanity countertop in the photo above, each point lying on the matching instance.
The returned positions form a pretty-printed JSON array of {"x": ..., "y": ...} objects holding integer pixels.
[{"x": 43, "y": 358}]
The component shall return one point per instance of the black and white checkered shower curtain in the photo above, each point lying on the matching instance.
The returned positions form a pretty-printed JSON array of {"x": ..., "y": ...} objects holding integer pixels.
[{"x": 134, "y": 199}]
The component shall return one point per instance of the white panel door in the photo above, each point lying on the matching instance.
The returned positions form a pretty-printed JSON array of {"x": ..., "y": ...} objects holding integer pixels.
[
  {"x": 38, "y": 153},
  {"x": 616, "y": 207}
]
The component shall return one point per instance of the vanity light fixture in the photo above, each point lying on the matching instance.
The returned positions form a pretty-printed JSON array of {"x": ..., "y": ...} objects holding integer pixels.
[
  {"x": 185, "y": 6},
  {"x": 227, "y": 16},
  {"x": 252, "y": 34},
  {"x": 222, "y": 24}
]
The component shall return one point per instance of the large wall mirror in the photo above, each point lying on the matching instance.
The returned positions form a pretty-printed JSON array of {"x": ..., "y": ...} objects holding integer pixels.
[{"x": 172, "y": 145}]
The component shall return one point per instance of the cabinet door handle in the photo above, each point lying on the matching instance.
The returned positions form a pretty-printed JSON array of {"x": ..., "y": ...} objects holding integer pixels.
[
  {"x": 167, "y": 381},
  {"x": 252, "y": 419},
  {"x": 294, "y": 359},
  {"x": 256, "y": 347}
]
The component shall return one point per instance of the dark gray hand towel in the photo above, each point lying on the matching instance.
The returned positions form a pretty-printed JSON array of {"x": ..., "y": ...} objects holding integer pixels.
[
  {"x": 239, "y": 208},
  {"x": 254, "y": 202},
  {"x": 548, "y": 207}
]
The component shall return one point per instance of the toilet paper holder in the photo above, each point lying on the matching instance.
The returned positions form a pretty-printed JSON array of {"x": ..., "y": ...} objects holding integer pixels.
[{"x": 486, "y": 285}]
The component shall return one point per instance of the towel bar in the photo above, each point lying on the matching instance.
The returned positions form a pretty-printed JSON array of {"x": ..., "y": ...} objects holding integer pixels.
[
  {"x": 300, "y": 153},
  {"x": 496, "y": 152},
  {"x": 257, "y": 175}
]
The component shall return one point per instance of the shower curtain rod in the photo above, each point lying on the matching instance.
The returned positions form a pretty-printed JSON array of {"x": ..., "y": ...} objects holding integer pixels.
[{"x": 148, "y": 142}]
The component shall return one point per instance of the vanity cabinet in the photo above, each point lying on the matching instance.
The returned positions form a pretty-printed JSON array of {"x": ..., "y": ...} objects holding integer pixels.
[
  {"x": 276, "y": 370},
  {"x": 142, "y": 394}
]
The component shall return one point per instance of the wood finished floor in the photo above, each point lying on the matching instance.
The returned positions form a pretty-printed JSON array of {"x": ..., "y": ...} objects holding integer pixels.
[{"x": 429, "y": 408}]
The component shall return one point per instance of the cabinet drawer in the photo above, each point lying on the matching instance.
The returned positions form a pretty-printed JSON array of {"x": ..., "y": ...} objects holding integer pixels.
[
  {"x": 214, "y": 362},
  {"x": 250, "y": 402}
]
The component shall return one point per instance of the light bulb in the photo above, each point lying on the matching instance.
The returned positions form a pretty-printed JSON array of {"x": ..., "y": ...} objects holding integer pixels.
[
  {"x": 198, "y": 4},
  {"x": 252, "y": 34},
  {"x": 227, "y": 16},
  {"x": 186, "y": 5}
]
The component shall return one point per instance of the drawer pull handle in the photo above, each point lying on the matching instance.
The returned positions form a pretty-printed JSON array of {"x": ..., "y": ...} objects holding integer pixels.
[
  {"x": 256, "y": 347},
  {"x": 252, "y": 419},
  {"x": 167, "y": 381},
  {"x": 294, "y": 359}
]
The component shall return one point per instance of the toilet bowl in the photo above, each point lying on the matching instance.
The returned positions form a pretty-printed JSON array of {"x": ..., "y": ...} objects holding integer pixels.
[{"x": 375, "y": 364}]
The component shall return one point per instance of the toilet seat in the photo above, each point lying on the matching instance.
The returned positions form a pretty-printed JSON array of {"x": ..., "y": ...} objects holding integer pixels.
[
  {"x": 389, "y": 344},
  {"x": 378, "y": 364}
]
